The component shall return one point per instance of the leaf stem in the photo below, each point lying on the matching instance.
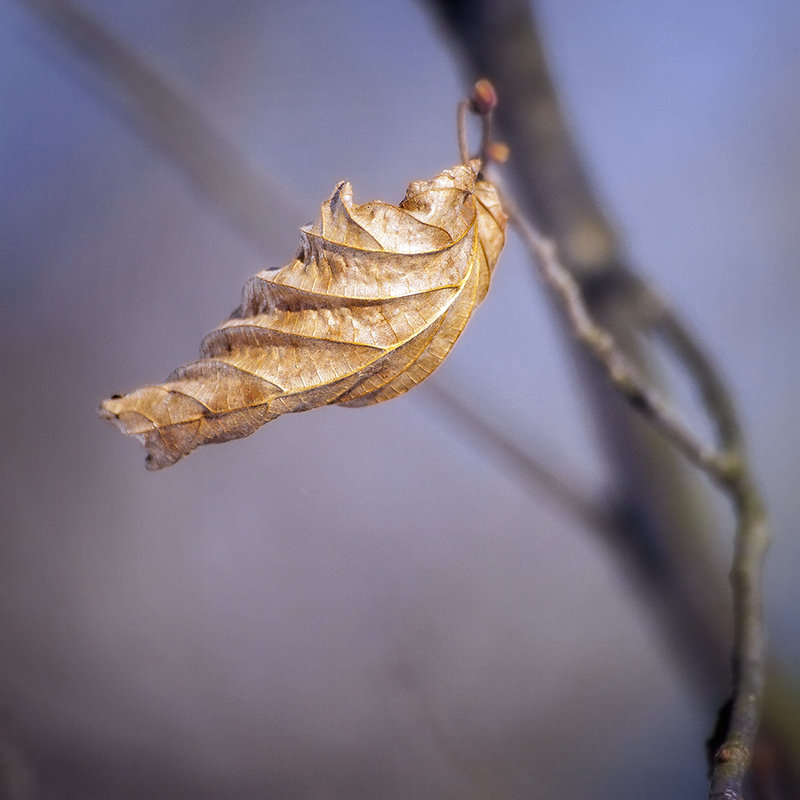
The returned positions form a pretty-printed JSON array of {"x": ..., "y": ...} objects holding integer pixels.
[
  {"x": 482, "y": 102},
  {"x": 461, "y": 128}
]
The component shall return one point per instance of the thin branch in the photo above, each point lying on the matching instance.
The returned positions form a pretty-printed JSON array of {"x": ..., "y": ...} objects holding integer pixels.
[
  {"x": 732, "y": 759},
  {"x": 618, "y": 367},
  {"x": 727, "y": 466},
  {"x": 686, "y": 348},
  {"x": 659, "y": 518},
  {"x": 483, "y": 103},
  {"x": 461, "y": 128},
  {"x": 500, "y": 41}
]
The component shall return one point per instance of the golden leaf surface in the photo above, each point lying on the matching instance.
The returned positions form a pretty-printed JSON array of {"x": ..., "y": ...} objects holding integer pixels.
[{"x": 370, "y": 306}]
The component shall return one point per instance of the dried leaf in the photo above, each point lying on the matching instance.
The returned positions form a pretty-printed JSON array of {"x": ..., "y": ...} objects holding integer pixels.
[{"x": 368, "y": 308}]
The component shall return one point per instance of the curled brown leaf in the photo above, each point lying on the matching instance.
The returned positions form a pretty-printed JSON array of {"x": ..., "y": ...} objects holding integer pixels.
[{"x": 369, "y": 308}]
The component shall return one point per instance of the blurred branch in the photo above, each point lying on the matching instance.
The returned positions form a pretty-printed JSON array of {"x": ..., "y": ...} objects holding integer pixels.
[
  {"x": 234, "y": 183},
  {"x": 534, "y": 474}
]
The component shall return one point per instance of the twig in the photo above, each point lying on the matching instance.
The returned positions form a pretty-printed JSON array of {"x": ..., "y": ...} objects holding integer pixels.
[
  {"x": 500, "y": 41},
  {"x": 726, "y": 465},
  {"x": 712, "y": 389},
  {"x": 461, "y": 128},
  {"x": 483, "y": 103},
  {"x": 732, "y": 758},
  {"x": 618, "y": 367}
]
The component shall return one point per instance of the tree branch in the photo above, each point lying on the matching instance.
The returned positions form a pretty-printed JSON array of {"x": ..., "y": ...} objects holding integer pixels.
[
  {"x": 605, "y": 304},
  {"x": 727, "y": 466},
  {"x": 620, "y": 370}
]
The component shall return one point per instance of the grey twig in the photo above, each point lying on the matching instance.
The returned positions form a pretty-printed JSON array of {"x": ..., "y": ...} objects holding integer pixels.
[
  {"x": 461, "y": 129},
  {"x": 660, "y": 531},
  {"x": 732, "y": 758},
  {"x": 686, "y": 348},
  {"x": 600, "y": 296},
  {"x": 618, "y": 367},
  {"x": 727, "y": 465}
]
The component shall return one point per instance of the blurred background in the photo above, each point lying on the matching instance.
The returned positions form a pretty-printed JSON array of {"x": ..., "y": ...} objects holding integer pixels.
[{"x": 363, "y": 603}]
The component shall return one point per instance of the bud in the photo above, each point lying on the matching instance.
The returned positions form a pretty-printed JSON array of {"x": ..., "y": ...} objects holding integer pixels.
[
  {"x": 498, "y": 152},
  {"x": 484, "y": 96}
]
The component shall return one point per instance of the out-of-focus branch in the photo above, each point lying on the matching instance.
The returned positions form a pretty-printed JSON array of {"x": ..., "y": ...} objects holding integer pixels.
[
  {"x": 222, "y": 172},
  {"x": 591, "y": 514},
  {"x": 534, "y": 127}
]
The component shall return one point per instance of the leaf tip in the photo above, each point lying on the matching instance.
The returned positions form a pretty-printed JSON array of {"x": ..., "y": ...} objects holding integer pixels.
[{"x": 104, "y": 409}]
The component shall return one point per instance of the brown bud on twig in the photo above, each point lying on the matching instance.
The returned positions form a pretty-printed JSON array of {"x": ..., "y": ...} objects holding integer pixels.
[
  {"x": 484, "y": 97},
  {"x": 497, "y": 152}
]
